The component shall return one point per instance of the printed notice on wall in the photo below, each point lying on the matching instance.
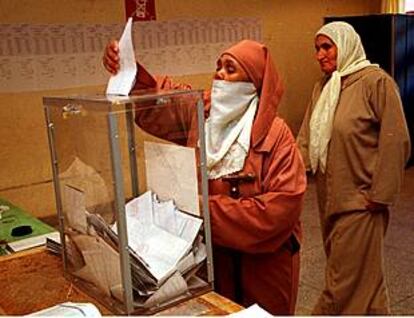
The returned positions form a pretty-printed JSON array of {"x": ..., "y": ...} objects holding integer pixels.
[{"x": 56, "y": 56}]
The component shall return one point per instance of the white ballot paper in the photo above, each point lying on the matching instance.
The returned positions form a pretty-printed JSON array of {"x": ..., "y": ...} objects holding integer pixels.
[
  {"x": 123, "y": 81},
  {"x": 160, "y": 249},
  {"x": 172, "y": 174},
  {"x": 252, "y": 311},
  {"x": 69, "y": 309}
]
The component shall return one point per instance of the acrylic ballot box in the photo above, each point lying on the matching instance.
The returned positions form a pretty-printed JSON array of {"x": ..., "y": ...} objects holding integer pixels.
[{"x": 132, "y": 199}]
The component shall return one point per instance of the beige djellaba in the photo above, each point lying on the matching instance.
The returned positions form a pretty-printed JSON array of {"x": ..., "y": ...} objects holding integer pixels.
[
  {"x": 369, "y": 145},
  {"x": 367, "y": 152}
]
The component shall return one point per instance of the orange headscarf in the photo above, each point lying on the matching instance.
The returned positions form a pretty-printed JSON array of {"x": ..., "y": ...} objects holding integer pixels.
[{"x": 257, "y": 62}]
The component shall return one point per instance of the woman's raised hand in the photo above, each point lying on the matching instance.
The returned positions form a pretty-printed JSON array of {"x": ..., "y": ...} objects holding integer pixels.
[{"x": 111, "y": 57}]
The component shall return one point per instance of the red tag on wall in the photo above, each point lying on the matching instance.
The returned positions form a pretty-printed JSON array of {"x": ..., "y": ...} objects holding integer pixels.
[{"x": 140, "y": 10}]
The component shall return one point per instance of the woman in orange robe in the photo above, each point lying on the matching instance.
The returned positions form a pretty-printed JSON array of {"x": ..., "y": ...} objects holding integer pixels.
[{"x": 256, "y": 230}]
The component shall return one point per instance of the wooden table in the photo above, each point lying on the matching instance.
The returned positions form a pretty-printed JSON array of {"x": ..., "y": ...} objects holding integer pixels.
[{"x": 33, "y": 280}]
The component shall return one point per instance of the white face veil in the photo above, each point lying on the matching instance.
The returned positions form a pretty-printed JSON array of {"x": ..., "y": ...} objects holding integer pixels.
[
  {"x": 228, "y": 129},
  {"x": 351, "y": 58}
]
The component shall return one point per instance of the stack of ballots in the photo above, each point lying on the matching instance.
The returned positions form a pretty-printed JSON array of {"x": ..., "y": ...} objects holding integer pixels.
[{"x": 165, "y": 248}]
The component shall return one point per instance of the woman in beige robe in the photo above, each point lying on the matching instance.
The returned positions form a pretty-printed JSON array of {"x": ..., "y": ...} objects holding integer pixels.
[{"x": 355, "y": 140}]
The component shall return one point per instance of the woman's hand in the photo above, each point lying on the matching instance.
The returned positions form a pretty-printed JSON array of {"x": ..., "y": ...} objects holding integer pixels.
[{"x": 111, "y": 57}]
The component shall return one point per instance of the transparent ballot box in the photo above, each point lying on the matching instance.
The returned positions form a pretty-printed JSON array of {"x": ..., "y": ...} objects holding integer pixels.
[{"x": 132, "y": 199}]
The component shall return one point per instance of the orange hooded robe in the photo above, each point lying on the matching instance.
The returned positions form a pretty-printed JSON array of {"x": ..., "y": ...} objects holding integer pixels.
[{"x": 256, "y": 236}]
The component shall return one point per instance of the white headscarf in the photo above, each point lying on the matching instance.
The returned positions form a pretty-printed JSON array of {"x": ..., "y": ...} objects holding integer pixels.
[{"x": 351, "y": 58}]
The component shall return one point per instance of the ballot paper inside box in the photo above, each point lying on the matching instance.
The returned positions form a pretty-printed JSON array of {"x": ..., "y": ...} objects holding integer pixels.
[{"x": 131, "y": 194}]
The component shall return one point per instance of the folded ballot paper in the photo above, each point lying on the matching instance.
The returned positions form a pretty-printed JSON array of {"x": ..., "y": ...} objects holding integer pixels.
[
  {"x": 159, "y": 233},
  {"x": 165, "y": 248},
  {"x": 69, "y": 309},
  {"x": 123, "y": 81},
  {"x": 253, "y": 311}
]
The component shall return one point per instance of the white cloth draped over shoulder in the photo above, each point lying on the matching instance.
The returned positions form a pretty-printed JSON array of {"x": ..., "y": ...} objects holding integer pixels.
[{"x": 351, "y": 58}]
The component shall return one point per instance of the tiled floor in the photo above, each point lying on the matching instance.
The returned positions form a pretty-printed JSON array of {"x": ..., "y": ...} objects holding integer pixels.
[{"x": 399, "y": 250}]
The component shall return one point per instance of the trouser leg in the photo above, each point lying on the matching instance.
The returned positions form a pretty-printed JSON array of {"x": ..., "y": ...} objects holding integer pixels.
[{"x": 354, "y": 274}]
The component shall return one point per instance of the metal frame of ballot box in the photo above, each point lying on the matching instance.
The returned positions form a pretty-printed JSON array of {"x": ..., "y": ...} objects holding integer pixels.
[{"x": 115, "y": 109}]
